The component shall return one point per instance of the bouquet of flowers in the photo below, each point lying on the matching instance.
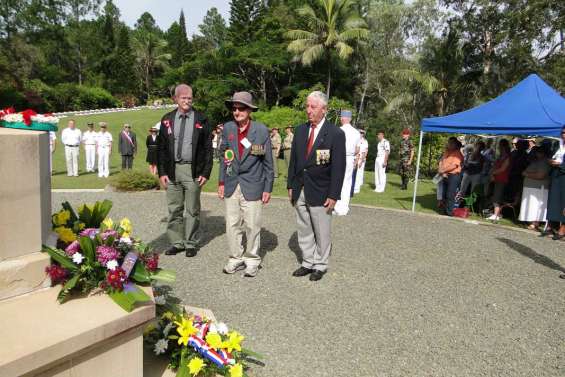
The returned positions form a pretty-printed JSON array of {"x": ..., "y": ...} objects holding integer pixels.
[
  {"x": 93, "y": 252},
  {"x": 197, "y": 346},
  {"x": 28, "y": 119}
]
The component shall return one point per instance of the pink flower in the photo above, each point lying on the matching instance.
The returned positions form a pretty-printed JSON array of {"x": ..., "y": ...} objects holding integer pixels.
[
  {"x": 73, "y": 248},
  {"x": 89, "y": 232},
  {"x": 109, "y": 233},
  {"x": 57, "y": 273},
  {"x": 151, "y": 261},
  {"x": 105, "y": 254}
]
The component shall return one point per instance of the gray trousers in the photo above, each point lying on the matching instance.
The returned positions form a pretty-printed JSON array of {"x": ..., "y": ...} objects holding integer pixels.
[
  {"x": 275, "y": 163},
  {"x": 127, "y": 161},
  {"x": 243, "y": 216},
  {"x": 314, "y": 234},
  {"x": 287, "y": 158},
  {"x": 183, "y": 194}
]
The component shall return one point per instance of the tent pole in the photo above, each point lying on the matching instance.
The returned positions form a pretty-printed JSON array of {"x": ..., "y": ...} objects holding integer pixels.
[{"x": 417, "y": 171}]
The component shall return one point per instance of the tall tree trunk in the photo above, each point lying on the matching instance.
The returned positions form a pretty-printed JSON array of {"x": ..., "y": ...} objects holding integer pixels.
[
  {"x": 364, "y": 94},
  {"x": 328, "y": 86},
  {"x": 79, "y": 65}
]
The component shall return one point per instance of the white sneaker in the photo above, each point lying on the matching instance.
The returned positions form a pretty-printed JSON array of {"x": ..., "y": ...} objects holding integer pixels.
[
  {"x": 231, "y": 268},
  {"x": 251, "y": 272},
  {"x": 493, "y": 217}
]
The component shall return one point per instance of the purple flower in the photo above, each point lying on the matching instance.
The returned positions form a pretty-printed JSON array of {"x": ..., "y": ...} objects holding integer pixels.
[
  {"x": 109, "y": 233},
  {"x": 73, "y": 248},
  {"x": 105, "y": 254},
  {"x": 89, "y": 232}
]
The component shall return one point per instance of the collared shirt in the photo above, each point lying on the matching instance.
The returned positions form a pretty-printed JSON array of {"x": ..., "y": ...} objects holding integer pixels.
[
  {"x": 104, "y": 139},
  {"x": 276, "y": 141},
  {"x": 186, "y": 154},
  {"x": 382, "y": 148},
  {"x": 71, "y": 137},
  {"x": 240, "y": 136},
  {"x": 352, "y": 139},
  {"x": 89, "y": 137},
  {"x": 363, "y": 145},
  {"x": 287, "y": 144},
  {"x": 316, "y": 130}
]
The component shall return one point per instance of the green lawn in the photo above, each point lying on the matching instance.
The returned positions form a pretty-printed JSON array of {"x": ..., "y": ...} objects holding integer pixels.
[{"x": 142, "y": 120}]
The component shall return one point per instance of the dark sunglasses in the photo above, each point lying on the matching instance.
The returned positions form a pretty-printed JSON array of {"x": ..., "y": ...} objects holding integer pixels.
[{"x": 238, "y": 108}]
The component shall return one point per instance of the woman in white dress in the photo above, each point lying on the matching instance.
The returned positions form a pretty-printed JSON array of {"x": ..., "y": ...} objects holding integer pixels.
[{"x": 536, "y": 189}]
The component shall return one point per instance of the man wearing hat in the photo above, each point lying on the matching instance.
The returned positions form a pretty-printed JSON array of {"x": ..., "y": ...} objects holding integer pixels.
[
  {"x": 406, "y": 156},
  {"x": 287, "y": 145},
  {"x": 315, "y": 179},
  {"x": 89, "y": 140},
  {"x": 184, "y": 163},
  {"x": 381, "y": 162},
  {"x": 245, "y": 183},
  {"x": 104, "y": 147},
  {"x": 276, "y": 146},
  {"x": 352, "y": 139},
  {"x": 361, "y": 159}
]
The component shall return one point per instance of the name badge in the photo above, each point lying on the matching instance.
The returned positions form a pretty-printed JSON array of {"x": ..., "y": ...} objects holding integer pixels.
[
  {"x": 246, "y": 143},
  {"x": 258, "y": 150},
  {"x": 322, "y": 156}
]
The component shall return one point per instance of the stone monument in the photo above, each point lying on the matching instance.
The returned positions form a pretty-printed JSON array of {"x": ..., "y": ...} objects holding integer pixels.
[{"x": 90, "y": 336}]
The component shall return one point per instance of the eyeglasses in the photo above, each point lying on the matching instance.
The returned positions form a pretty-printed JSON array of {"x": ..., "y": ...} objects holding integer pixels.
[{"x": 238, "y": 108}]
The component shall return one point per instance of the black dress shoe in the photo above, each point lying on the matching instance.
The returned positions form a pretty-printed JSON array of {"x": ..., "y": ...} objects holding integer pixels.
[
  {"x": 173, "y": 250},
  {"x": 302, "y": 271},
  {"x": 191, "y": 252},
  {"x": 316, "y": 275}
]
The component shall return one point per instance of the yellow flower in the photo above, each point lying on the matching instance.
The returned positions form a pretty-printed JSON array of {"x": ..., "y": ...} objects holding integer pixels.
[
  {"x": 80, "y": 226},
  {"x": 236, "y": 370},
  {"x": 214, "y": 340},
  {"x": 108, "y": 223},
  {"x": 195, "y": 365},
  {"x": 65, "y": 234},
  {"x": 233, "y": 342},
  {"x": 61, "y": 217},
  {"x": 125, "y": 224},
  {"x": 185, "y": 330}
]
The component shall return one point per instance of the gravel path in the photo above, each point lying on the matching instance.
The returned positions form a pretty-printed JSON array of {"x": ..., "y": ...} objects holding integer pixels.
[{"x": 406, "y": 295}]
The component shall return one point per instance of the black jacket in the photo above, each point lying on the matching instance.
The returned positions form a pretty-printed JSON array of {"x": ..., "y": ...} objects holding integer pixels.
[
  {"x": 202, "y": 152},
  {"x": 319, "y": 180}
]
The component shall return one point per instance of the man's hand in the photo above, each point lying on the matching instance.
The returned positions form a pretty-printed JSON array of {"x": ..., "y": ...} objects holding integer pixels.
[
  {"x": 384, "y": 165},
  {"x": 554, "y": 163},
  {"x": 266, "y": 197},
  {"x": 329, "y": 204},
  {"x": 164, "y": 181},
  {"x": 221, "y": 191},
  {"x": 202, "y": 181}
]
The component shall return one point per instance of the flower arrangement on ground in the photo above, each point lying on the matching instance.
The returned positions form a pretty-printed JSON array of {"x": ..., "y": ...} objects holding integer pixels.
[
  {"x": 28, "y": 119},
  {"x": 197, "y": 346},
  {"x": 93, "y": 252}
]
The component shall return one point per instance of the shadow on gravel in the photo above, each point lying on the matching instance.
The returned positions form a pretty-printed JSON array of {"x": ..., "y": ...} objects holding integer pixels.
[
  {"x": 293, "y": 246},
  {"x": 530, "y": 253},
  {"x": 269, "y": 242}
]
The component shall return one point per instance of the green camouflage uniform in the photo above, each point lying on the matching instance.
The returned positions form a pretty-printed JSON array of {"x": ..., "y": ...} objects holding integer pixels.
[{"x": 404, "y": 169}]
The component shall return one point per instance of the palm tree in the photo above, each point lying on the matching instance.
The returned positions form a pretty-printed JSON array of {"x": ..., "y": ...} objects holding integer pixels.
[
  {"x": 333, "y": 25},
  {"x": 149, "y": 50}
]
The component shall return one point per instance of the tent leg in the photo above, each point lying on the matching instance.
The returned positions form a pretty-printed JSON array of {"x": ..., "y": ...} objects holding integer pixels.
[{"x": 417, "y": 171}]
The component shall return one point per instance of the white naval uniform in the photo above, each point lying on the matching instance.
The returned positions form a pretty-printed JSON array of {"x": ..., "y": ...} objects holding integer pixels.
[
  {"x": 104, "y": 144},
  {"x": 352, "y": 139},
  {"x": 380, "y": 171},
  {"x": 89, "y": 140},
  {"x": 52, "y": 141},
  {"x": 363, "y": 149},
  {"x": 71, "y": 140}
]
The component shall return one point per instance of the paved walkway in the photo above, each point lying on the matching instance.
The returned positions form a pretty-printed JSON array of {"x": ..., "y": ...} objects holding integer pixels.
[{"x": 406, "y": 295}]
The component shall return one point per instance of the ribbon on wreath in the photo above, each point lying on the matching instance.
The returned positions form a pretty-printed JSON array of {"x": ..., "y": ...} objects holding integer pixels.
[
  {"x": 217, "y": 357},
  {"x": 27, "y": 114}
]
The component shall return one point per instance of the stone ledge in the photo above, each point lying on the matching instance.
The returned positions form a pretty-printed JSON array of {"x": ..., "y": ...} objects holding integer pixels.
[
  {"x": 39, "y": 333},
  {"x": 23, "y": 274}
]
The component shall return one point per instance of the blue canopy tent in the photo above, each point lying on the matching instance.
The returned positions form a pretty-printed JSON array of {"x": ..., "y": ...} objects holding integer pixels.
[{"x": 532, "y": 107}]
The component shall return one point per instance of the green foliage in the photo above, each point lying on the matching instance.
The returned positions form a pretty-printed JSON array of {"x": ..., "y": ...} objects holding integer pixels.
[
  {"x": 128, "y": 299},
  {"x": 280, "y": 117},
  {"x": 76, "y": 97},
  {"x": 131, "y": 180}
]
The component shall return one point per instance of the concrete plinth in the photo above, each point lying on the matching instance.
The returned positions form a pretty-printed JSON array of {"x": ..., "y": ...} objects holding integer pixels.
[{"x": 23, "y": 274}]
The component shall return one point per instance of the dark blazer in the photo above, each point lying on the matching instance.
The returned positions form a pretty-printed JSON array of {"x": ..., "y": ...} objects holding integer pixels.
[
  {"x": 253, "y": 173},
  {"x": 125, "y": 147},
  {"x": 202, "y": 152},
  {"x": 319, "y": 181}
]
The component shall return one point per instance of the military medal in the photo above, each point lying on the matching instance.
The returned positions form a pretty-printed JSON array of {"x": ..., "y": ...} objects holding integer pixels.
[
  {"x": 228, "y": 158},
  {"x": 257, "y": 150}
]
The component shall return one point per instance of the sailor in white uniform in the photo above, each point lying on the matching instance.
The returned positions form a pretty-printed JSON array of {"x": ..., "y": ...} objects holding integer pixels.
[
  {"x": 71, "y": 138},
  {"x": 352, "y": 139},
  {"x": 361, "y": 159},
  {"x": 89, "y": 140},
  {"x": 104, "y": 147},
  {"x": 383, "y": 151}
]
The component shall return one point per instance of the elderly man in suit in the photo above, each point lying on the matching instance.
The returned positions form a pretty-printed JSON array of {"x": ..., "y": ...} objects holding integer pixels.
[
  {"x": 184, "y": 163},
  {"x": 127, "y": 146},
  {"x": 246, "y": 182},
  {"x": 315, "y": 179}
]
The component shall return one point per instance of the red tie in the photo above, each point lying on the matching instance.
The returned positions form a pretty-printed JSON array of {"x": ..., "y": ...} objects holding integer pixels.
[{"x": 310, "y": 139}]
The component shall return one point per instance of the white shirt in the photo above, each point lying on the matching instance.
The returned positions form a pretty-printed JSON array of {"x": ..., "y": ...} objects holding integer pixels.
[
  {"x": 52, "y": 137},
  {"x": 558, "y": 156},
  {"x": 363, "y": 146},
  {"x": 104, "y": 139},
  {"x": 352, "y": 139},
  {"x": 89, "y": 137},
  {"x": 316, "y": 130},
  {"x": 71, "y": 137},
  {"x": 382, "y": 148}
]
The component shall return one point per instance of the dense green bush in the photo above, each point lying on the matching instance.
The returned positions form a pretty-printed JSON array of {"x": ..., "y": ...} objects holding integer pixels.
[
  {"x": 65, "y": 97},
  {"x": 131, "y": 180},
  {"x": 280, "y": 117}
]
